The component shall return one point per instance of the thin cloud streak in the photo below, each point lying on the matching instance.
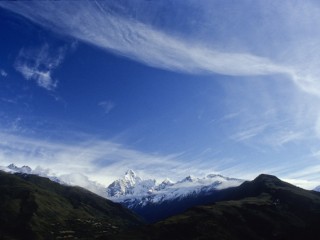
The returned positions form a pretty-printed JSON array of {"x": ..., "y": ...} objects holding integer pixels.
[
  {"x": 248, "y": 133},
  {"x": 99, "y": 26},
  {"x": 104, "y": 161},
  {"x": 101, "y": 160},
  {"x": 96, "y": 24},
  {"x": 284, "y": 137}
]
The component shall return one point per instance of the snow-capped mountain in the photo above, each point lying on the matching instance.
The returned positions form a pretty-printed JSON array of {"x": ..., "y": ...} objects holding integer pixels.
[
  {"x": 12, "y": 168},
  {"x": 130, "y": 185},
  {"x": 165, "y": 184},
  {"x": 72, "y": 179},
  {"x": 155, "y": 201},
  {"x": 317, "y": 189},
  {"x": 23, "y": 169},
  {"x": 132, "y": 190}
]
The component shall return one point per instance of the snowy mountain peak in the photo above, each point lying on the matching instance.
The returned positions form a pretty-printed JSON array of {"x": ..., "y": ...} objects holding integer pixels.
[
  {"x": 317, "y": 189},
  {"x": 134, "y": 191},
  {"x": 165, "y": 183},
  {"x": 214, "y": 176},
  {"x": 130, "y": 173},
  {"x": 129, "y": 185},
  {"x": 26, "y": 169},
  {"x": 12, "y": 166},
  {"x": 131, "y": 177},
  {"x": 188, "y": 179},
  {"x": 23, "y": 169}
]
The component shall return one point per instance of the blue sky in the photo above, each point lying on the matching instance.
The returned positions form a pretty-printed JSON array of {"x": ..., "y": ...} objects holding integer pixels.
[{"x": 167, "y": 88}]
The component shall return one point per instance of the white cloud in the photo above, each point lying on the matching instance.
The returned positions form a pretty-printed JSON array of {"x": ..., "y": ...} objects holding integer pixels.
[
  {"x": 96, "y": 23},
  {"x": 38, "y": 65},
  {"x": 3, "y": 73},
  {"x": 102, "y": 161},
  {"x": 306, "y": 184},
  {"x": 43, "y": 78},
  {"x": 248, "y": 133},
  {"x": 284, "y": 137},
  {"x": 107, "y": 106}
]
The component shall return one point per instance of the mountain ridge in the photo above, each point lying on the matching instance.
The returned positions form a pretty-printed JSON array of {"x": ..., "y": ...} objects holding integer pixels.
[
  {"x": 132, "y": 187},
  {"x": 264, "y": 208},
  {"x": 137, "y": 188},
  {"x": 157, "y": 202},
  {"x": 34, "y": 207}
]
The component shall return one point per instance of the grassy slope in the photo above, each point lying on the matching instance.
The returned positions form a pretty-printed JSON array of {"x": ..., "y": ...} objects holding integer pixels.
[{"x": 33, "y": 207}]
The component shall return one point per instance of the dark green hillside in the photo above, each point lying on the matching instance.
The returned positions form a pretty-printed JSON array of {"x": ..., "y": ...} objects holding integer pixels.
[
  {"x": 33, "y": 207},
  {"x": 266, "y": 208}
]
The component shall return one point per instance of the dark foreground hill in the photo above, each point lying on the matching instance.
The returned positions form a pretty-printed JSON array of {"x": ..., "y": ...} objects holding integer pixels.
[
  {"x": 33, "y": 207},
  {"x": 265, "y": 208}
]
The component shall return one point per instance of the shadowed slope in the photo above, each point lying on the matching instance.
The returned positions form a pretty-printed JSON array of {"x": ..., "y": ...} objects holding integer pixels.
[
  {"x": 265, "y": 208},
  {"x": 33, "y": 207}
]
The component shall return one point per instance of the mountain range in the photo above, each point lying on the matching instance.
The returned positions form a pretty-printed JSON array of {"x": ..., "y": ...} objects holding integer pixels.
[
  {"x": 265, "y": 208},
  {"x": 155, "y": 202},
  {"x": 132, "y": 188},
  {"x": 72, "y": 179},
  {"x": 34, "y": 207},
  {"x": 151, "y": 200}
]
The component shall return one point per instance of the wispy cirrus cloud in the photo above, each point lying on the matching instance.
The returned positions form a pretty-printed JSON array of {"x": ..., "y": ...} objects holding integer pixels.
[
  {"x": 104, "y": 161},
  {"x": 288, "y": 51},
  {"x": 281, "y": 138},
  {"x": 100, "y": 160},
  {"x": 97, "y": 23},
  {"x": 248, "y": 133},
  {"x": 267, "y": 134},
  {"x": 38, "y": 64},
  {"x": 107, "y": 106}
]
